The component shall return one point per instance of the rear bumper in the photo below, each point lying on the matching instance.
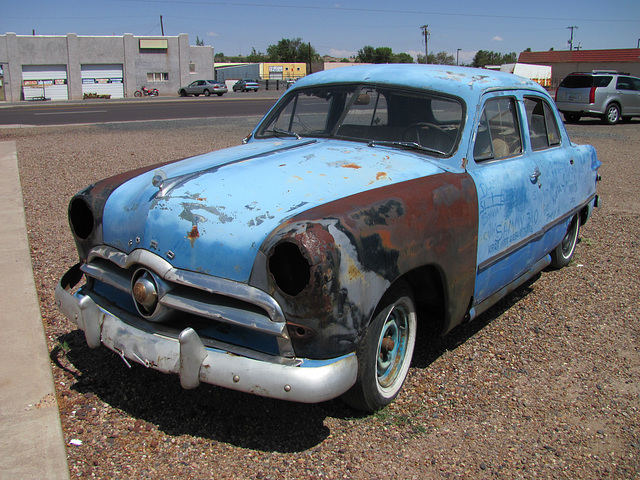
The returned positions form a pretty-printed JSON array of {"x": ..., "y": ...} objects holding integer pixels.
[{"x": 299, "y": 380}]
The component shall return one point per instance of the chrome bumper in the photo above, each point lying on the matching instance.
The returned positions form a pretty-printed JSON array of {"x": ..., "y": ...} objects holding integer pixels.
[{"x": 309, "y": 381}]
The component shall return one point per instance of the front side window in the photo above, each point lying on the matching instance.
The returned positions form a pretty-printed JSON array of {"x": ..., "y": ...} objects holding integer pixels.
[
  {"x": 543, "y": 128},
  {"x": 382, "y": 115},
  {"x": 498, "y": 134}
]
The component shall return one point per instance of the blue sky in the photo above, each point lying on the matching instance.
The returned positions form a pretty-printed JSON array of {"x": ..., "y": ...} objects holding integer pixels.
[{"x": 341, "y": 28}]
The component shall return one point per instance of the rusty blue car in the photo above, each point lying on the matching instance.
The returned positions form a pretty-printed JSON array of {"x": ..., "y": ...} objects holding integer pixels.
[{"x": 369, "y": 202}]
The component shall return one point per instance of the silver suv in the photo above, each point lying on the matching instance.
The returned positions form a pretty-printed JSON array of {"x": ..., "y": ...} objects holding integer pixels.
[{"x": 610, "y": 95}]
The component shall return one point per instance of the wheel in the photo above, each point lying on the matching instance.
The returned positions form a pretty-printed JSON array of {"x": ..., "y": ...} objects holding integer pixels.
[
  {"x": 612, "y": 114},
  {"x": 571, "y": 117},
  {"x": 562, "y": 255},
  {"x": 137, "y": 93},
  {"x": 385, "y": 352},
  {"x": 206, "y": 93},
  {"x": 219, "y": 94},
  {"x": 196, "y": 94},
  {"x": 183, "y": 93}
]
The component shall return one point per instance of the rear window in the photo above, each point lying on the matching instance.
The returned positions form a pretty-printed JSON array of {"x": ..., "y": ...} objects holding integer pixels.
[{"x": 586, "y": 81}]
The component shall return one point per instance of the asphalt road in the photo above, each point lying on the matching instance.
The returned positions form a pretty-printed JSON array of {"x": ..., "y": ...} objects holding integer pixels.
[{"x": 150, "y": 108}]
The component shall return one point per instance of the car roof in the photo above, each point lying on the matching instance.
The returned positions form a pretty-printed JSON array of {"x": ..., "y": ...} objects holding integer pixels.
[{"x": 465, "y": 82}]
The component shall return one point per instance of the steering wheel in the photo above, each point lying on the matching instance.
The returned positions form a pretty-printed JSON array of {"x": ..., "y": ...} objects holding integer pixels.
[{"x": 417, "y": 127}]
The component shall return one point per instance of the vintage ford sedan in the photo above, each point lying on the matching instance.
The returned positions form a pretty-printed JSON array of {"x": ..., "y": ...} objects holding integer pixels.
[{"x": 299, "y": 265}]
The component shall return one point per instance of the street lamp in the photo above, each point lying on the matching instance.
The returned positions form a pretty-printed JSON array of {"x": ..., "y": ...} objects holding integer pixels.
[{"x": 457, "y": 56}]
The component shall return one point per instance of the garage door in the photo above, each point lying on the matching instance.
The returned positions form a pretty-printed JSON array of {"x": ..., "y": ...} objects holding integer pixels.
[
  {"x": 103, "y": 80},
  {"x": 45, "y": 81}
]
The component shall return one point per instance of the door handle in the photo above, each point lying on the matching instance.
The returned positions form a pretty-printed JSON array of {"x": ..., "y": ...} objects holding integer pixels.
[{"x": 534, "y": 176}]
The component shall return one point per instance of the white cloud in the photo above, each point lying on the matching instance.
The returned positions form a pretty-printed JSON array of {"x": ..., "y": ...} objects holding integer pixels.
[
  {"x": 212, "y": 34},
  {"x": 497, "y": 38}
]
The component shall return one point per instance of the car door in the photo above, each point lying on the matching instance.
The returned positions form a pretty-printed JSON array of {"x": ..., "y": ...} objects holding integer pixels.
[
  {"x": 561, "y": 172},
  {"x": 509, "y": 196},
  {"x": 628, "y": 88}
]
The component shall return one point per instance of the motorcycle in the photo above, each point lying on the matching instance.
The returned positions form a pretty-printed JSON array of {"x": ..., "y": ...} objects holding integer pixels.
[{"x": 147, "y": 92}]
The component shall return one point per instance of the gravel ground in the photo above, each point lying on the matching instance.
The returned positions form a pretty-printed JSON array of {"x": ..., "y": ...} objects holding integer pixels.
[{"x": 544, "y": 385}]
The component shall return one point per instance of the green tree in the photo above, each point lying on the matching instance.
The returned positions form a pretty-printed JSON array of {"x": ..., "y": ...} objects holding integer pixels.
[
  {"x": 257, "y": 57},
  {"x": 292, "y": 50},
  {"x": 402, "y": 58},
  {"x": 199, "y": 43},
  {"x": 440, "y": 58},
  {"x": 369, "y": 54},
  {"x": 484, "y": 58}
]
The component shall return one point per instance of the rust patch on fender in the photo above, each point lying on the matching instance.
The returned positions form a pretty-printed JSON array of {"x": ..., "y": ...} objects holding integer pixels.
[
  {"x": 351, "y": 165},
  {"x": 381, "y": 175},
  {"x": 193, "y": 234}
]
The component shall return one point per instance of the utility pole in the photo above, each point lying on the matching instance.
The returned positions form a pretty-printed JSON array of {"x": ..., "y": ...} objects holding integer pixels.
[
  {"x": 427, "y": 34},
  {"x": 161, "y": 26},
  {"x": 571, "y": 39},
  {"x": 458, "y": 56}
]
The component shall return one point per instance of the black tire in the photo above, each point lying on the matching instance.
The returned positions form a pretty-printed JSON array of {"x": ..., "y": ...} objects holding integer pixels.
[
  {"x": 385, "y": 352},
  {"x": 183, "y": 93},
  {"x": 562, "y": 255},
  {"x": 611, "y": 114},
  {"x": 206, "y": 93},
  {"x": 571, "y": 117},
  {"x": 219, "y": 94},
  {"x": 137, "y": 93}
]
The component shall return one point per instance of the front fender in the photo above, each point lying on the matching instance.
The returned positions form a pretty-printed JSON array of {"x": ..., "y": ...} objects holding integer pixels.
[{"x": 355, "y": 248}]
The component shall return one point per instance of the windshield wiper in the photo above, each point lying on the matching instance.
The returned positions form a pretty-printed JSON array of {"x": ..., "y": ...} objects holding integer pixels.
[
  {"x": 278, "y": 132},
  {"x": 407, "y": 145}
]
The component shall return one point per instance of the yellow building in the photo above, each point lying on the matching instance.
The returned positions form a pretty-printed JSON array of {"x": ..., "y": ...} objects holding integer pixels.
[{"x": 282, "y": 71}]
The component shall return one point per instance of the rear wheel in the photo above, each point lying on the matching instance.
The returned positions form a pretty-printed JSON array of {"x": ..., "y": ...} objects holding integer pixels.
[
  {"x": 206, "y": 93},
  {"x": 385, "y": 352},
  {"x": 137, "y": 93},
  {"x": 562, "y": 255},
  {"x": 612, "y": 114}
]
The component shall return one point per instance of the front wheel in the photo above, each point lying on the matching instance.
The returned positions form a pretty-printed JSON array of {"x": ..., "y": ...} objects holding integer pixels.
[
  {"x": 562, "y": 255},
  {"x": 385, "y": 352},
  {"x": 137, "y": 93}
]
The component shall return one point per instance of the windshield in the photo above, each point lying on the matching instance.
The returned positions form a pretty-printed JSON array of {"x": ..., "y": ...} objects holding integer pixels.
[{"x": 376, "y": 115}]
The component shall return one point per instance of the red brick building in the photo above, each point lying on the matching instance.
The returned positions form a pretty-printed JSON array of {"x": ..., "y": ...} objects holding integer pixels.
[{"x": 564, "y": 62}]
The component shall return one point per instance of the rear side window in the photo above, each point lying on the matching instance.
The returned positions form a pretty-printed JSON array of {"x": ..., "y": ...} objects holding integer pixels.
[
  {"x": 498, "y": 134},
  {"x": 543, "y": 128}
]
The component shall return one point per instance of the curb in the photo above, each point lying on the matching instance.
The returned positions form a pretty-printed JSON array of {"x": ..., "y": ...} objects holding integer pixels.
[{"x": 31, "y": 439}]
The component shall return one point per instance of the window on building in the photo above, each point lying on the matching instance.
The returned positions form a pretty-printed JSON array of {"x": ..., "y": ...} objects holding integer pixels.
[
  {"x": 157, "y": 77},
  {"x": 192, "y": 67}
]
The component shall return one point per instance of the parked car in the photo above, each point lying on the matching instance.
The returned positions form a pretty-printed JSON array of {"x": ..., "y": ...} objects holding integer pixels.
[
  {"x": 369, "y": 202},
  {"x": 246, "y": 85},
  {"x": 203, "y": 87},
  {"x": 609, "y": 95}
]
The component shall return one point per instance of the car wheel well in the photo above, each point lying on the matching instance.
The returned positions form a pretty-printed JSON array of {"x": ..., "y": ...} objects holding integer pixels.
[{"x": 427, "y": 285}]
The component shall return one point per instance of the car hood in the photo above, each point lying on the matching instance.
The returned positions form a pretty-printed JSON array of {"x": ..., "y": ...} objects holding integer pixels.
[{"x": 212, "y": 212}]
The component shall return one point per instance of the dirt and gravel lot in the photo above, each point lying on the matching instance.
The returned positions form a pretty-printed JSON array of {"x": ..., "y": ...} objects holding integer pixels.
[{"x": 544, "y": 385}]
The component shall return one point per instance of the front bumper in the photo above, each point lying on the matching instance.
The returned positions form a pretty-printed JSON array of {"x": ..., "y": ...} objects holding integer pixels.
[{"x": 306, "y": 381}]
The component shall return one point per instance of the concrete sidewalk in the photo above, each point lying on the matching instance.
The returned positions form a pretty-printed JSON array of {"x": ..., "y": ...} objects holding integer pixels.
[{"x": 31, "y": 440}]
